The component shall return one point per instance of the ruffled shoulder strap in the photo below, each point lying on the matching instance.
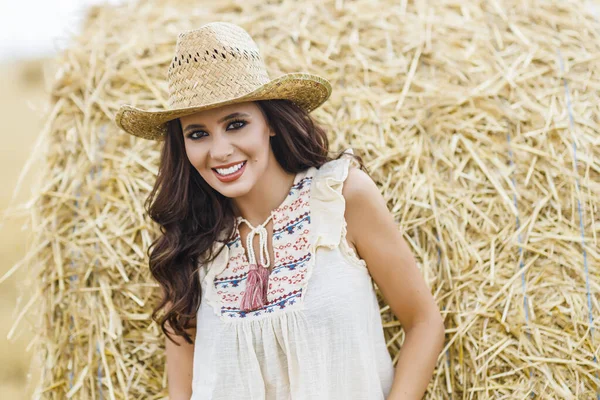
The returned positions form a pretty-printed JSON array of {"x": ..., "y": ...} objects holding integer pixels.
[{"x": 327, "y": 204}]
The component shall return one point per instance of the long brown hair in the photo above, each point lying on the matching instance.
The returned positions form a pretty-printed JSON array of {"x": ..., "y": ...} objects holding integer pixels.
[{"x": 192, "y": 215}]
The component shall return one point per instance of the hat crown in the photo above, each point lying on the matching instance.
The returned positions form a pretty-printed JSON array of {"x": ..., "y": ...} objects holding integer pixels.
[{"x": 213, "y": 63}]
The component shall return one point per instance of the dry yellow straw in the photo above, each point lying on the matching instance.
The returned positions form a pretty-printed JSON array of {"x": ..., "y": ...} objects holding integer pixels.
[{"x": 459, "y": 109}]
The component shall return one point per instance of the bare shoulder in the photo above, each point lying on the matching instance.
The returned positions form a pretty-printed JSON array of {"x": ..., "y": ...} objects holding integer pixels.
[
  {"x": 379, "y": 242},
  {"x": 360, "y": 194},
  {"x": 358, "y": 183}
]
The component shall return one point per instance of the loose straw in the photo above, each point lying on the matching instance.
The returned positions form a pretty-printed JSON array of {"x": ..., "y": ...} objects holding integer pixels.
[{"x": 579, "y": 207}]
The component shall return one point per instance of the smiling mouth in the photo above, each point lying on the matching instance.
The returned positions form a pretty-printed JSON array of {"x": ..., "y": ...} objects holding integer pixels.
[{"x": 237, "y": 168}]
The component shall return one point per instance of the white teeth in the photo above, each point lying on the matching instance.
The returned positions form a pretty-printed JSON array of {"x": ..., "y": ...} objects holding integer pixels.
[{"x": 230, "y": 170}]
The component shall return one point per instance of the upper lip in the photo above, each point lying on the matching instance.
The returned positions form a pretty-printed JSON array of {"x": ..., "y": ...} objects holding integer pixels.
[{"x": 228, "y": 165}]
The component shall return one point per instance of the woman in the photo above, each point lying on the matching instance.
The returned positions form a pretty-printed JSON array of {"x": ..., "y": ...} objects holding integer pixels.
[{"x": 269, "y": 247}]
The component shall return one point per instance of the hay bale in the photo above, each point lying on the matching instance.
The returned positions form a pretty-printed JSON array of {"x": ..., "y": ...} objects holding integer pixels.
[{"x": 478, "y": 120}]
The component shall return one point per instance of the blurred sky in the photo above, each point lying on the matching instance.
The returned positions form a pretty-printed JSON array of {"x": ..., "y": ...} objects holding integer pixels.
[
  {"x": 38, "y": 28},
  {"x": 32, "y": 28}
]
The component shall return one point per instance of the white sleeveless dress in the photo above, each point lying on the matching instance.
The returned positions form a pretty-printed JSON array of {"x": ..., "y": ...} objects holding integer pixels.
[{"x": 320, "y": 335}]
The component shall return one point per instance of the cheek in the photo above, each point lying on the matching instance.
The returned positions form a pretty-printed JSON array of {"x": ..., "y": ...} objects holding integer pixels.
[
  {"x": 252, "y": 145},
  {"x": 260, "y": 141},
  {"x": 195, "y": 155}
]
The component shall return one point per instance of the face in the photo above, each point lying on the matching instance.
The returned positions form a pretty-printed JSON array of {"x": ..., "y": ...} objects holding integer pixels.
[{"x": 214, "y": 138}]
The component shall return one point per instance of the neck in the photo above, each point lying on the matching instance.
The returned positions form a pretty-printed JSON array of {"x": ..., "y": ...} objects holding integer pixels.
[{"x": 256, "y": 206}]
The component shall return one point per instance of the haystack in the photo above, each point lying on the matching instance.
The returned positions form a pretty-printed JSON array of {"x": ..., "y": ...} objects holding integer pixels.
[{"x": 478, "y": 121}]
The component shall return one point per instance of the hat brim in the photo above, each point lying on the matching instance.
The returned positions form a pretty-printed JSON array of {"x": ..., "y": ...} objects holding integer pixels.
[{"x": 305, "y": 90}]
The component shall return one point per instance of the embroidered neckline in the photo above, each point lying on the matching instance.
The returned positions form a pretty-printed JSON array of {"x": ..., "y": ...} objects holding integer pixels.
[
  {"x": 260, "y": 230},
  {"x": 285, "y": 278}
]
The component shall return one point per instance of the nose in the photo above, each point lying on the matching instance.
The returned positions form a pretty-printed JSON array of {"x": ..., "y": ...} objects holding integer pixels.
[{"x": 221, "y": 148}]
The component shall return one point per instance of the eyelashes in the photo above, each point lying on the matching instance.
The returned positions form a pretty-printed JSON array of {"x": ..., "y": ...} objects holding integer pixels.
[{"x": 243, "y": 123}]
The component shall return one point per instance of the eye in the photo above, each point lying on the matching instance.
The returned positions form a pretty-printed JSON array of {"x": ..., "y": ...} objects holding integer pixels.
[{"x": 192, "y": 135}]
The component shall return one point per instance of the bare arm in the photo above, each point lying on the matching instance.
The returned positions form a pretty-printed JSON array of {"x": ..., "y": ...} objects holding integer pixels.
[
  {"x": 179, "y": 365},
  {"x": 393, "y": 267}
]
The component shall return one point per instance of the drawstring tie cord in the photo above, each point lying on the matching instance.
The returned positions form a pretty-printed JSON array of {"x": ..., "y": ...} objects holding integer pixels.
[{"x": 257, "y": 281}]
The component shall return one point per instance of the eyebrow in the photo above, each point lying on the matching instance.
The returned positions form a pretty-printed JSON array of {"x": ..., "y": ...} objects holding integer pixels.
[{"x": 225, "y": 118}]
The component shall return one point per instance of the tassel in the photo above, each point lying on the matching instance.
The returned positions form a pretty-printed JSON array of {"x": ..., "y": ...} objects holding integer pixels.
[{"x": 256, "y": 288}]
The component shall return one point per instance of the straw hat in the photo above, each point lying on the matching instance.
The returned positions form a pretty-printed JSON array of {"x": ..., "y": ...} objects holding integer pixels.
[{"x": 215, "y": 65}]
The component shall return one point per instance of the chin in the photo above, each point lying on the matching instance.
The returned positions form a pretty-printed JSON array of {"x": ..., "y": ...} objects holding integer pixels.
[{"x": 230, "y": 189}]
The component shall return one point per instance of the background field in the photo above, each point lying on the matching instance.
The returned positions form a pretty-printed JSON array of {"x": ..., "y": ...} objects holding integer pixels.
[{"x": 21, "y": 99}]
